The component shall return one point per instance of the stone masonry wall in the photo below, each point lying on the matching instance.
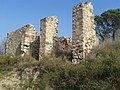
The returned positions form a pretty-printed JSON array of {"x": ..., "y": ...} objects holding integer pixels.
[
  {"x": 48, "y": 30},
  {"x": 35, "y": 48},
  {"x": 62, "y": 47},
  {"x": 83, "y": 41},
  {"x": 84, "y": 37},
  {"x": 63, "y": 44},
  {"x": 19, "y": 41}
]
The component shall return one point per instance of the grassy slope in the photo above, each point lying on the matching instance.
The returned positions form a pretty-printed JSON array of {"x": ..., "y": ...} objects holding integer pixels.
[{"x": 101, "y": 71}]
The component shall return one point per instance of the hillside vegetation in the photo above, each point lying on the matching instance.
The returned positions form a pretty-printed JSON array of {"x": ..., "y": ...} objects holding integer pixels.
[{"x": 101, "y": 71}]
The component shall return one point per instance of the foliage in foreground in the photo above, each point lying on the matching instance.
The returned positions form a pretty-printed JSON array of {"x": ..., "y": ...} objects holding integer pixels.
[{"x": 101, "y": 72}]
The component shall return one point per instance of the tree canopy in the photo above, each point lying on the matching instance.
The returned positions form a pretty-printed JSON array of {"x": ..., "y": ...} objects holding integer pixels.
[{"x": 107, "y": 24}]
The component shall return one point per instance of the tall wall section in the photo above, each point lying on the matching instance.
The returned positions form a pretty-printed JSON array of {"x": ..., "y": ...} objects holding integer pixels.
[
  {"x": 21, "y": 40},
  {"x": 48, "y": 30},
  {"x": 84, "y": 37}
]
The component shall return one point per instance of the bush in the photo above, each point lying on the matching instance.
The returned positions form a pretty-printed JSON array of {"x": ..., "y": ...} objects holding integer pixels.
[
  {"x": 1, "y": 75},
  {"x": 101, "y": 72},
  {"x": 8, "y": 62}
]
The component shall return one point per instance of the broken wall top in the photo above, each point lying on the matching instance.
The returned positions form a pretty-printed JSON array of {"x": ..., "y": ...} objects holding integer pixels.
[
  {"x": 50, "y": 17},
  {"x": 83, "y": 5},
  {"x": 23, "y": 29}
]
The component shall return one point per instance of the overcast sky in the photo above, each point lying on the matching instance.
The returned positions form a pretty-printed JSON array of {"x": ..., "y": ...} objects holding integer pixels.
[{"x": 17, "y": 13}]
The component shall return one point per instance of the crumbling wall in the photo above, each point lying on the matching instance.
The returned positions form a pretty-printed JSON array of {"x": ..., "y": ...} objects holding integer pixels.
[
  {"x": 84, "y": 37},
  {"x": 48, "y": 30},
  {"x": 34, "y": 47},
  {"x": 63, "y": 44},
  {"x": 62, "y": 47},
  {"x": 13, "y": 44},
  {"x": 19, "y": 41},
  {"x": 84, "y": 40}
]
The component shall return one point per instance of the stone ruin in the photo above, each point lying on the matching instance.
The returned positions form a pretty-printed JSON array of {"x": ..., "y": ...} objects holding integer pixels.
[
  {"x": 25, "y": 40},
  {"x": 48, "y": 30},
  {"x": 22, "y": 41},
  {"x": 63, "y": 47},
  {"x": 84, "y": 38},
  {"x": 63, "y": 44}
]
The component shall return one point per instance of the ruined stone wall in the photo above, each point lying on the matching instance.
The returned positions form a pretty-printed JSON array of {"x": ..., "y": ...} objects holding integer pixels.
[
  {"x": 62, "y": 47},
  {"x": 35, "y": 48},
  {"x": 13, "y": 44},
  {"x": 48, "y": 30},
  {"x": 63, "y": 44},
  {"x": 84, "y": 40},
  {"x": 19, "y": 41},
  {"x": 84, "y": 37}
]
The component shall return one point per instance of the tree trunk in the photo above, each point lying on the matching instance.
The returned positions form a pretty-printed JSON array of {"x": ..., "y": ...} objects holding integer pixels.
[{"x": 113, "y": 36}]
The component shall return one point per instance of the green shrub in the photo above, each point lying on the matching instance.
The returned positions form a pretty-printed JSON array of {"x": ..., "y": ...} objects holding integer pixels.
[
  {"x": 1, "y": 75},
  {"x": 8, "y": 62},
  {"x": 101, "y": 72}
]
